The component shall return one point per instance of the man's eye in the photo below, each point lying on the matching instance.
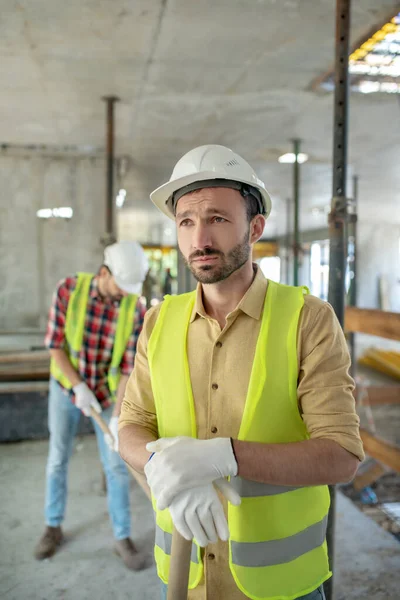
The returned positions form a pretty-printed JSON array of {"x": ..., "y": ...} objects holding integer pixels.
[
  {"x": 219, "y": 220},
  {"x": 184, "y": 223}
]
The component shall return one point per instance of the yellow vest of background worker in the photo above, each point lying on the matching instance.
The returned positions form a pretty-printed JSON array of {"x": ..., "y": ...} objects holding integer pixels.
[
  {"x": 74, "y": 331},
  {"x": 277, "y": 544}
]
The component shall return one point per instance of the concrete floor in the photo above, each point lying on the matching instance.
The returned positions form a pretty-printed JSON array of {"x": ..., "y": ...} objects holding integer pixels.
[
  {"x": 368, "y": 558},
  {"x": 86, "y": 567}
]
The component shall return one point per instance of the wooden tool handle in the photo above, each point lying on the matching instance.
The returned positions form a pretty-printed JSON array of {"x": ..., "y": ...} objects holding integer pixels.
[
  {"x": 179, "y": 567},
  {"x": 181, "y": 549},
  {"x": 100, "y": 422}
]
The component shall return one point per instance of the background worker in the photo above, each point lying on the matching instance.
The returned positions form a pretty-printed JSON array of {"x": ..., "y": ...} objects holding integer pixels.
[
  {"x": 92, "y": 334},
  {"x": 258, "y": 373}
]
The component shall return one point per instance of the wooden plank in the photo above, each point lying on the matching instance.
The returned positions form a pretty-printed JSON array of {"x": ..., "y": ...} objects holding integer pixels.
[
  {"x": 381, "y": 361},
  {"x": 375, "y": 471},
  {"x": 25, "y": 367},
  {"x": 381, "y": 394},
  {"x": 264, "y": 248},
  {"x": 25, "y": 373},
  {"x": 374, "y": 322},
  {"x": 24, "y": 357},
  {"x": 383, "y": 451},
  {"x": 377, "y": 363}
]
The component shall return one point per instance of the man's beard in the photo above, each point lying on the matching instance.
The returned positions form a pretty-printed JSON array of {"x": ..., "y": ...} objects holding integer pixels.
[
  {"x": 229, "y": 263},
  {"x": 110, "y": 297}
]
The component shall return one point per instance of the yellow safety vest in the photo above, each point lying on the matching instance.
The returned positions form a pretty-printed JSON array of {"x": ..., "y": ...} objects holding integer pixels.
[
  {"x": 74, "y": 332},
  {"x": 277, "y": 548}
]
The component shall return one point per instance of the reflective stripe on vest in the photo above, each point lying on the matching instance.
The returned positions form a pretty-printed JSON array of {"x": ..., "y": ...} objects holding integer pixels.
[
  {"x": 277, "y": 534},
  {"x": 275, "y": 552},
  {"x": 164, "y": 541},
  {"x": 74, "y": 331},
  {"x": 123, "y": 331}
]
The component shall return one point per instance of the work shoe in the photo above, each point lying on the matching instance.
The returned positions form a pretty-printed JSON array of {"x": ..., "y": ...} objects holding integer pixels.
[
  {"x": 48, "y": 543},
  {"x": 132, "y": 558}
]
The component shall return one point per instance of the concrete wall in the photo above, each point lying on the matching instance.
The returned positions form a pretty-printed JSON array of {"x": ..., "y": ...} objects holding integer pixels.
[
  {"x": 378, "y": 255},
  {"x": 36, "y": 253}
]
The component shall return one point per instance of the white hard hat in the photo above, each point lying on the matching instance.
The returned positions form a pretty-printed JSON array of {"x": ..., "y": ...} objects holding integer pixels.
[
  {"x": 128, "y": 264},
  {"x": 207, "y": 163}
]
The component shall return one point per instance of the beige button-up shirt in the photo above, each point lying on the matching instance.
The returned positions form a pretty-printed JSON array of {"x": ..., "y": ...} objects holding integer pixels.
[{"x": 220, "y": 363}]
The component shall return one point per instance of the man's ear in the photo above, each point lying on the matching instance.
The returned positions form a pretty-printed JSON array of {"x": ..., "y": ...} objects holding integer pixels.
[{"x": 256, "y": 228}]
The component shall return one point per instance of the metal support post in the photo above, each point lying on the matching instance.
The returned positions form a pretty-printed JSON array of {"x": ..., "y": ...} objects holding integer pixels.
[
  {"x": 296, "y": 200},
  {"x": 287, "y": 243},
  {"x": 338, "y": 214},
  {"x": 352, "y": 264},
  {"x": 109, "y": 236}
]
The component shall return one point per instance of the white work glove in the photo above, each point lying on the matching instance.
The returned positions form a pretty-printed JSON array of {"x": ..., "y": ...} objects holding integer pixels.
[
  {"x": 199, "y": 514},
  {"x": 84, "y": 399},
  {"x": 112, "y": 442},
  {"x": 183, "y": 463}
]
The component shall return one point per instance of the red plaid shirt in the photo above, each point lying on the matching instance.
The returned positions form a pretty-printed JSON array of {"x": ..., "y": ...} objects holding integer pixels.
[{"x": 98, "y": 338}]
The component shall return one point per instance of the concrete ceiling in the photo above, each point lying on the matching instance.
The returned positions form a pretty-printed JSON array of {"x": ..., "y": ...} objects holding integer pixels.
[{"x": 234, "y": 72}]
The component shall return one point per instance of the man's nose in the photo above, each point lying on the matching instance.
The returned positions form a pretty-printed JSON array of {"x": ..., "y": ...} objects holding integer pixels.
[{"x": 201, "y": 237}]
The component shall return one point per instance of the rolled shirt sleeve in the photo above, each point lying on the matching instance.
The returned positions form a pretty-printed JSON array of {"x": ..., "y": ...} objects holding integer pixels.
[
  {"x": 55, "y": 333},
  {"x": 325, "y": 388}
]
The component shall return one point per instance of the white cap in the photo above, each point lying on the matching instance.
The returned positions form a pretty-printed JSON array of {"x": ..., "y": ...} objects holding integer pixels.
[
  {"x": 128, "y": 264},
  {"x": 204, "y": 164}
]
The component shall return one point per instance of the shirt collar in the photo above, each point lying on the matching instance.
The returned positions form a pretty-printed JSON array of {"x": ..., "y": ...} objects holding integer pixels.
[{"x": 251, "y": 304}]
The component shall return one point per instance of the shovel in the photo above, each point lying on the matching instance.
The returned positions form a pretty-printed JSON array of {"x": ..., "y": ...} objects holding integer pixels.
[
  {"x": 179, "y": 567},
  {"x": 100, "y": 422},
  {"x": 181, "y": 549}
]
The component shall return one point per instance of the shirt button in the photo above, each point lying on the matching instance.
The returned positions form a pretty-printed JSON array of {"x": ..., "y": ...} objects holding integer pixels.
[
  {"x": 214, "y": 386},
  {"x": 214, "y": 430},
  {"x": 219, "y": 344},
  {"x": 211, "y": 556}
]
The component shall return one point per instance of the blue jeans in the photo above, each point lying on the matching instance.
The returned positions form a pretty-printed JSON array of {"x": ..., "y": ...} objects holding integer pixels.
[
  {"x": 317, "y": 594},
  {"x": 64, "y": 418}
]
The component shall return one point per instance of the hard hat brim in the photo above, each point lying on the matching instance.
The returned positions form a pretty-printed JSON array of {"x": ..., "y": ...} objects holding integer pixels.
[{"x": 162, "y": 194}]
